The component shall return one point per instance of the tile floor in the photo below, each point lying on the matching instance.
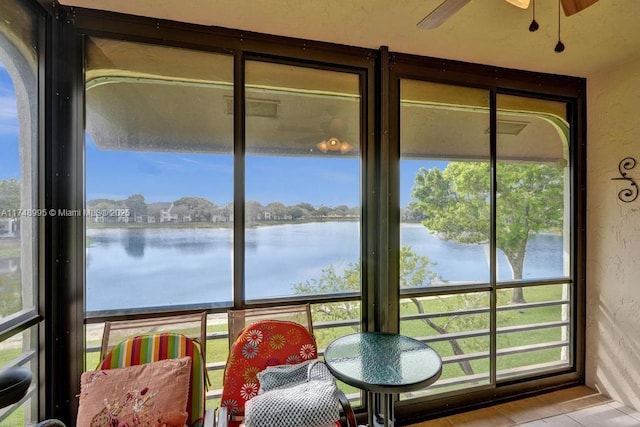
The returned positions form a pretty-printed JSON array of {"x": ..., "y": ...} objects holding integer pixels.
[{"x": 573, "y": 407}]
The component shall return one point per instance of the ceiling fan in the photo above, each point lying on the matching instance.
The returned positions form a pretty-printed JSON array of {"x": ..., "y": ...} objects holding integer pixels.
[{"x": 449, "y": 7}]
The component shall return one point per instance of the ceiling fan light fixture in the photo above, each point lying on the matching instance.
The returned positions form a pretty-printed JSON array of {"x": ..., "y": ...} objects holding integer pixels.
[
  {"x": 323, "y": 146},
  {"x": 334, "y": 144},
  {"x": 345, "y": 147}
]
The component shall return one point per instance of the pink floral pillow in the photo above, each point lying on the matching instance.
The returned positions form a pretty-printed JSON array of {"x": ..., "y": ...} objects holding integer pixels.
[{"x": 153, "y": 394}]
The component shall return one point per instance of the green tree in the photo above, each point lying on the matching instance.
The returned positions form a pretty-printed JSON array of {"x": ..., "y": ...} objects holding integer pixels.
[
  {"x": 155, "y": 211},
  {"x": 341, "y": 210},
  {"x": 199, "y": 208},
  {"x": 277, "y": 210},
  {"x": 414, "y": 272},
  {"x": 226, "y": 211},
  {"x": 181, "y": 211},
  {"x": 11, "y": 292},
  {"x": 296, "y": 212},
  {"x": 253, "y": 211},
  {"x": 456, "y": 204},
  {"x": 322, "y": 211},
  {"x": 306, "y": 206},
  {"x": 9, "y": 194},
  {"x": 136, "y": 204}
]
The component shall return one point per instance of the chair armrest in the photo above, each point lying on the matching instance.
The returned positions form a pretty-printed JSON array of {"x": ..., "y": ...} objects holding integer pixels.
[{"x": 346, "y": 408}]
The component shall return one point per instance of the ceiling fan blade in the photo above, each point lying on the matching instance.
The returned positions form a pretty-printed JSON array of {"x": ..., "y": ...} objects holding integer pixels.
[
  {"x": 522, "y": 4},
  {"x": 441, "y": 13},
  {"x": 574, "y": 6}
]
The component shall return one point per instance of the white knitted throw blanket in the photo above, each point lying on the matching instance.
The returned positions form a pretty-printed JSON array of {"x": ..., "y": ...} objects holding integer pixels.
[{"x": 302, "y": 395}]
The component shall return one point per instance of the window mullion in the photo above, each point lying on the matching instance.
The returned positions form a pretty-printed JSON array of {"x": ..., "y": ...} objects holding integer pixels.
[
  {"x": 492, "y": 237},
  {"x": 238, "y": 181}
]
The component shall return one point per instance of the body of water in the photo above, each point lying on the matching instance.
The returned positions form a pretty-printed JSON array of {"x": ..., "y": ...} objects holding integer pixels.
[{"x": 129, "y": 268}]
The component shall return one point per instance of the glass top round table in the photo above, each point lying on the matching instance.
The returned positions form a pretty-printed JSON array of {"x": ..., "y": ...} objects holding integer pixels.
[{"x": 383, "y": 364}]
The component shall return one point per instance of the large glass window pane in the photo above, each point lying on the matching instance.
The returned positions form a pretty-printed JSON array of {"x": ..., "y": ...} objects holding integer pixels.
[
  {"x": 159, "y": 176},
  {"x": 532, "y": 188},
  {"x": 19, "y": 210},
  {"x": 444, "y": 230},
  {"x": 445, "y": 178},
  {"x": 444, "y": 184},
  {"x": 302, "y": 181}
]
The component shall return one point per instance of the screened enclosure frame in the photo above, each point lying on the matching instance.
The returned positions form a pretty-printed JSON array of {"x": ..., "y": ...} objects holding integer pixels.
[
  {"x": 379, "y": 72},
  {"x": 24, "y": 57}
]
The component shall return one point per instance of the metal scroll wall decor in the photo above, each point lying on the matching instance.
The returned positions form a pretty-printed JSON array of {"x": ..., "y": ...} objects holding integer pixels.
[{"x": 630, "y": 193}]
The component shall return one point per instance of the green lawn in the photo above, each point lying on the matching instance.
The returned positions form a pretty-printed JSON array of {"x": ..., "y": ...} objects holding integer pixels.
[{"x": 468, "y": 323}]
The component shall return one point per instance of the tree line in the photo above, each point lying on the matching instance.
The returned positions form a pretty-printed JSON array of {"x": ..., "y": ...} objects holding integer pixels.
[{"x": 199, "y": 209}]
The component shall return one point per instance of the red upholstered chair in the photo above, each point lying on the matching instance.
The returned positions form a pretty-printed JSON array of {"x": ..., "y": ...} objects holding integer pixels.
[{"x": 260, "y": 345}]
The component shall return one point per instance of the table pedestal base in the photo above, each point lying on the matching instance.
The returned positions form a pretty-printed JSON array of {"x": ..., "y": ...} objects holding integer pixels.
[{"x": 381, "y": 411}]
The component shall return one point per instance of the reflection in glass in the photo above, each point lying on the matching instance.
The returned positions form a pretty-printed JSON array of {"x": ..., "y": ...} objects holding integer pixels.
[
  {"x": 302, "y": 180},
  {"x": 159, "y": 176}
]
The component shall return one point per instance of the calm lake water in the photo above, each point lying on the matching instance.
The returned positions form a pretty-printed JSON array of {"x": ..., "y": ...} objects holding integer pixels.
[{"x": 146, "y": 268}]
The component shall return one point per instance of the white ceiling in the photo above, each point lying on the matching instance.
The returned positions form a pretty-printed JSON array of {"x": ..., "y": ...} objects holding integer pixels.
[{"x": 489, "y": 32}]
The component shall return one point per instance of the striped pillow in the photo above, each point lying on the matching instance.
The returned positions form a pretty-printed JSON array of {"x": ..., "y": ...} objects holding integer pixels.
[{"x": 152, "y": 348}]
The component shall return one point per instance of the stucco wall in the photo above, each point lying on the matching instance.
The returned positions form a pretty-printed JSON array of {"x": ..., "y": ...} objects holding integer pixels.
[{"x": 613, "y": 236}]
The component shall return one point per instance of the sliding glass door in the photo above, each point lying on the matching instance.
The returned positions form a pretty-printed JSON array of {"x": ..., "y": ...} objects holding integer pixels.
[{"x": 485, "y": 214}]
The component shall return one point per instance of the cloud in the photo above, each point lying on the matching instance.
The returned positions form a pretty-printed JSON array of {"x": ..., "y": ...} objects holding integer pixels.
[
  {"x": 219, "y": 164},
  {"x": 184, "y": 159},
  {"x": 8, "y": 109},
  {"x": 182, "y": 164},
  {"x": 8, "y": 116}
]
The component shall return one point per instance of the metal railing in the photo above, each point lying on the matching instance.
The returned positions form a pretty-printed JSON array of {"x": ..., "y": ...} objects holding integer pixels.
[{"x": 216, "y": 367}]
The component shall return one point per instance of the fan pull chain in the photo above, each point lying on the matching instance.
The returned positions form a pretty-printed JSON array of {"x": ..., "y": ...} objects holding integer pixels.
[
  {"x": 534, "y": 24},
  {"x": 559, "y": 46}
]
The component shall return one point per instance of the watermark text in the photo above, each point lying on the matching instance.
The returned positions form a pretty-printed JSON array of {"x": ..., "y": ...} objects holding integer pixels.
[{"x": 17, "y": 213}]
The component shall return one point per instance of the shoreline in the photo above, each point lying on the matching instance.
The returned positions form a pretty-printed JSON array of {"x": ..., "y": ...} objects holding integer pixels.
[{"x": 206, "y": 225}]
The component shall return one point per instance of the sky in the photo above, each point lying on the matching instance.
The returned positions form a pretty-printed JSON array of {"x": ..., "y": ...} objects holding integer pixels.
[
  {"x": 9, "y": 156},
  {"x": 163, "y": 177},
  {"x": 166, "y": 177}
]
